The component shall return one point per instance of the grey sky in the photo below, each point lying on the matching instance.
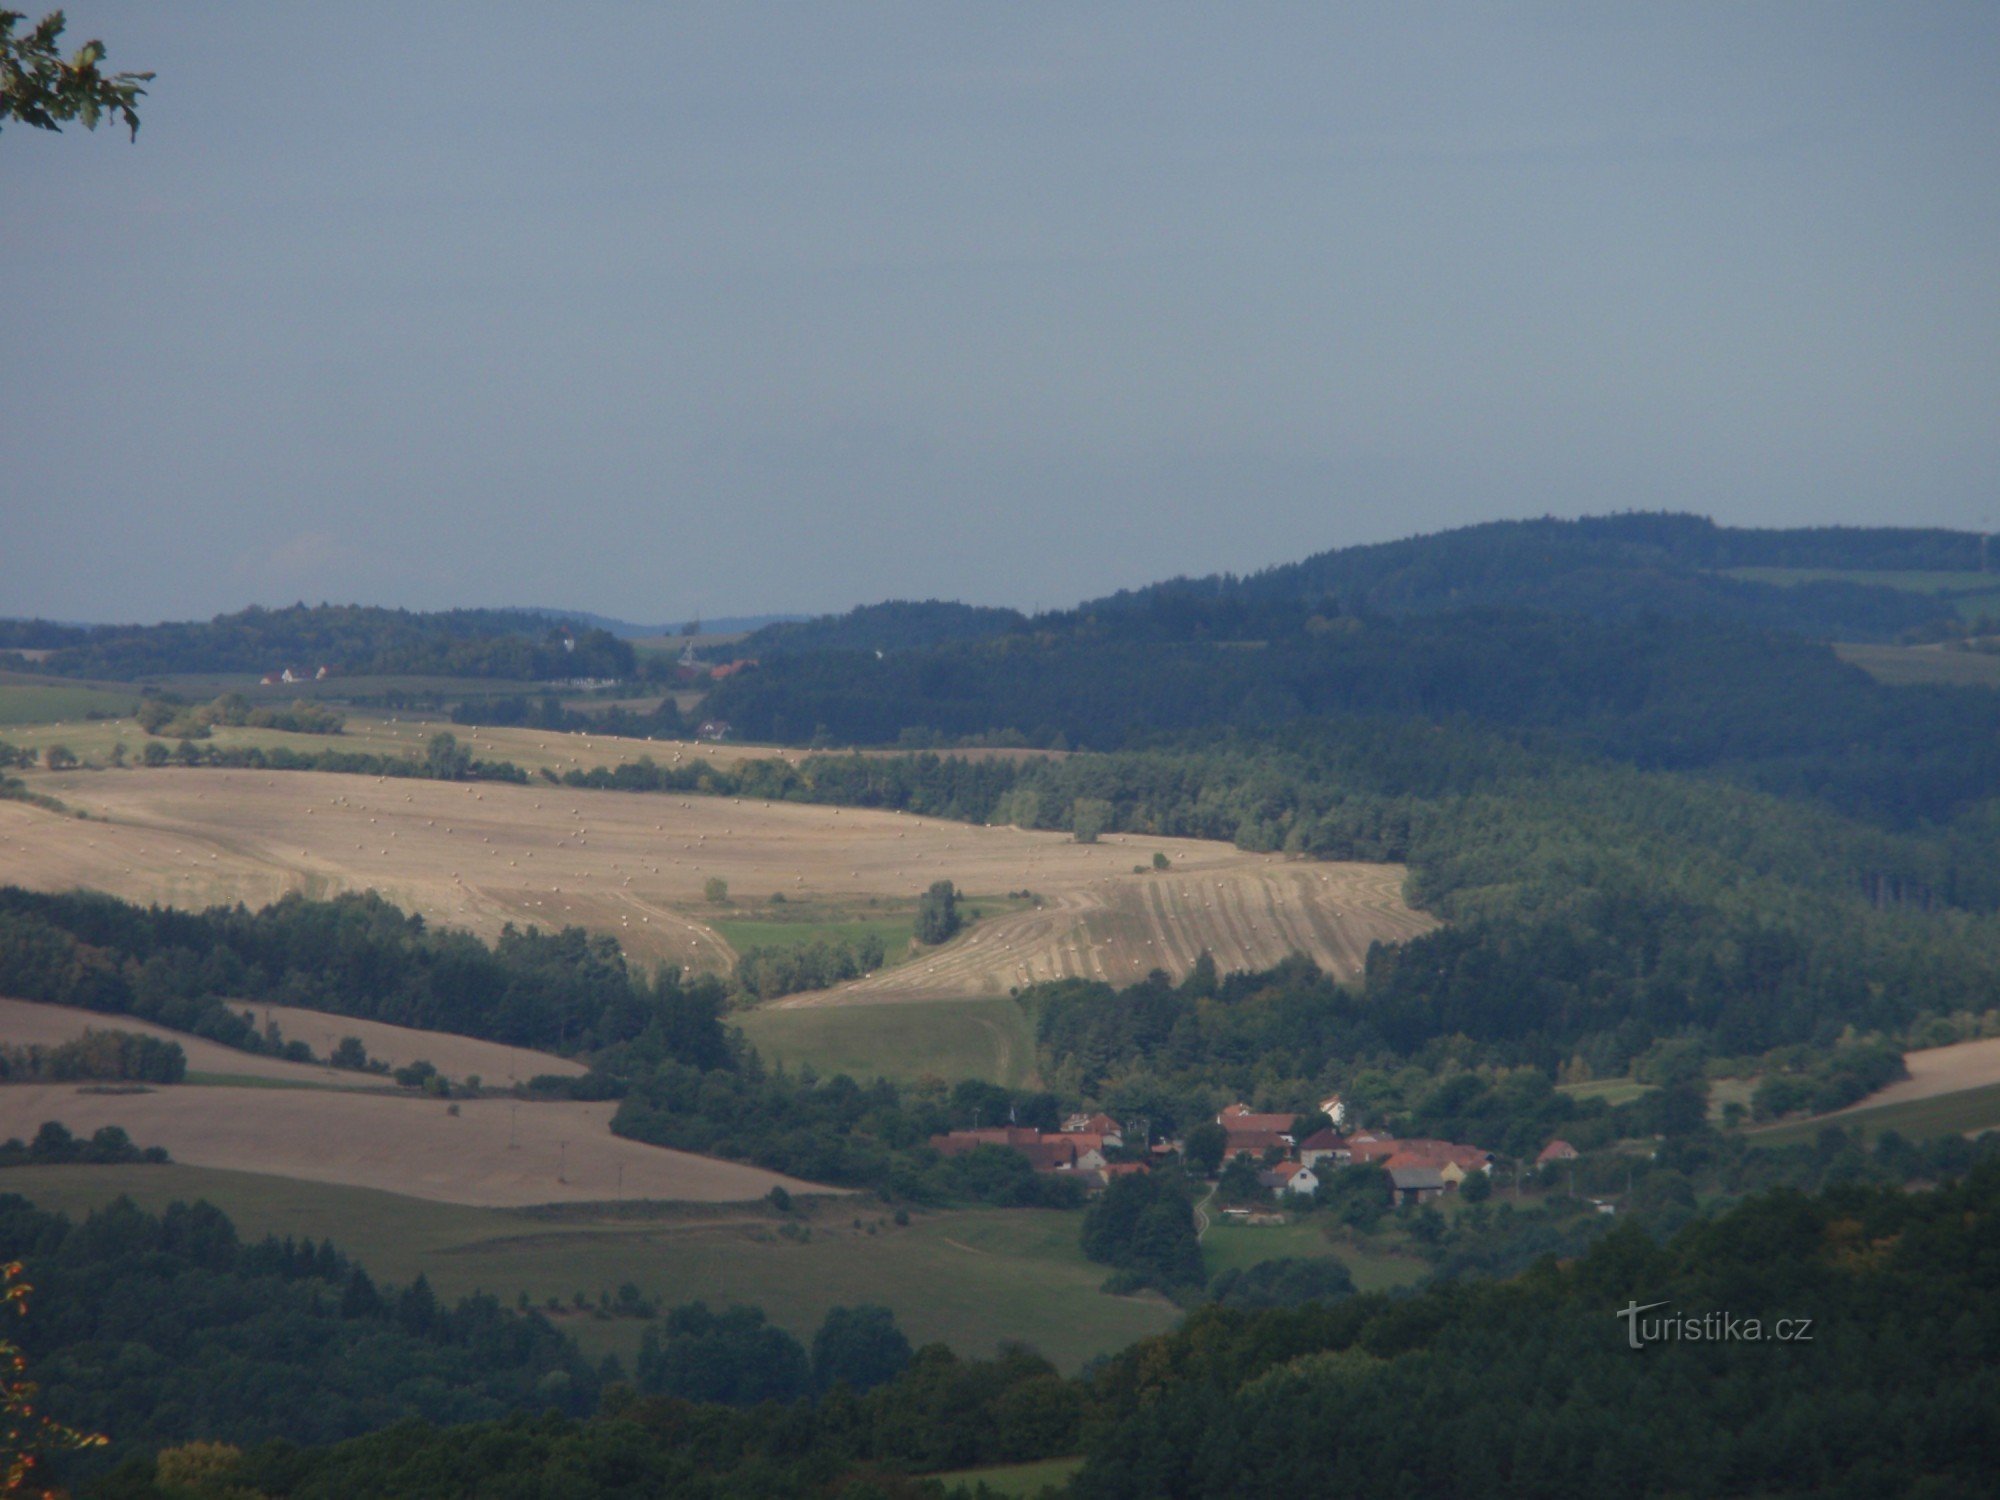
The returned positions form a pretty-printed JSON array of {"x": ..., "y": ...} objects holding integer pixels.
[{"x": 652, "y": 309}]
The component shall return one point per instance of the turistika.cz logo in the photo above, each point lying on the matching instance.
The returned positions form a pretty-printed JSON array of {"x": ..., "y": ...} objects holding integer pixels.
[{"x": 1708, "y": 1328}]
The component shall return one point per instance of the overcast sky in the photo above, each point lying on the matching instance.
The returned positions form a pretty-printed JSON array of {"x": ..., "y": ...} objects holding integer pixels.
[{"x": 653, "y": 310}]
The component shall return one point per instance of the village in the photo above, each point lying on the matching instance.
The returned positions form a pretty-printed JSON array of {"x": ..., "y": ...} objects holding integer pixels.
[{"x": 1291, "y": 1165}]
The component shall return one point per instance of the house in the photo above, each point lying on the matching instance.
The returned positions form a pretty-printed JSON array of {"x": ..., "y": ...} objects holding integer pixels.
[
  {"x": 1557, "y": 1150},
  {"x": 1415, "y": 1184},
  {"x": 1335, "y": 1109},
  {"x": 713, "y": 729},
  {"x": 1290, "y": 1177},
  {"x": 1468, "y": 1158},
  {"x": 269, "y": 679},
  {"x": 320, "y": 675},
  {"x": 1324, "y": 1146},
  {"x": 288, "y": 675}
]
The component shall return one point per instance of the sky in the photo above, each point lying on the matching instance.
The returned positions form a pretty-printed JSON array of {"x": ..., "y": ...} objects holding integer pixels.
[{"x": 732, "y": 308}]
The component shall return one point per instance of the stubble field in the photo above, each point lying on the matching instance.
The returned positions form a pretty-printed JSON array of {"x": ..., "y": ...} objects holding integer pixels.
[
  {"x": 635, "y": 865},
  {"x": 481, "y": 1152}
]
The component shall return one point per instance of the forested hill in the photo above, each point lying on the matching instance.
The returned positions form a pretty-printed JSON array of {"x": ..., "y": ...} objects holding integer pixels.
[
  {"x": 1613, "y": 566},
  {"x": 1774, "y": 711},
  {"x": 345, "y": 638},
  {"x": 897, "y": 625}
]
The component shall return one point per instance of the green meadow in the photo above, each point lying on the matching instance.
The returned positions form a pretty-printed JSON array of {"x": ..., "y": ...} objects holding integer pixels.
[{"x": 970, "y": 1278}]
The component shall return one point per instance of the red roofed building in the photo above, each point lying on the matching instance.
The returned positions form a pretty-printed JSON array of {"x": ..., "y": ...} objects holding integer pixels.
[{"x": 1557, "y": 1151}]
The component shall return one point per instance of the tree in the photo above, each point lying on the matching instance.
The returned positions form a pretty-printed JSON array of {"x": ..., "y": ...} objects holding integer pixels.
[
  {"x": 1239, "y": 1183},
  {"x": 937, "y": 913},
  {"x": 716, "y": 889},
  {"x": 1203, "y": 1147},
  {"x": 59, "y": 758},
  {"x": 446, "y": 759},
  {"x": 26, "y": 1435},
  {"x": 860, "y": 1347},
  {"x": 39, "y": 88}
]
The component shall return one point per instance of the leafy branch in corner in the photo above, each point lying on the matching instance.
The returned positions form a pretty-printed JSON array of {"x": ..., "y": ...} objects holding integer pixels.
[{"x": 39, "y": 88}]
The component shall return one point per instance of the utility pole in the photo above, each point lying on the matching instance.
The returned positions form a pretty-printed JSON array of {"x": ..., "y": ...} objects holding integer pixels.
[
  {"x": 562, "y": 1161},
  {"x": 513, "y": 1143}
]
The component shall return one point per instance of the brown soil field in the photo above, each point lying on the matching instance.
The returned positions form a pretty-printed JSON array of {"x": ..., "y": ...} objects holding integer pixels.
[
  {"x": 1939, "y": 1070},
  {"x": 492, "y": 1153},
  {"x": 457, "y": 1057},
  {"x": 634, "y": 864}
]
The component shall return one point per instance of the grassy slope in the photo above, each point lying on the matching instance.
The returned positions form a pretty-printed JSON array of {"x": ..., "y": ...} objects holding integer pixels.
[
  {"x": 971, "y": 1279},
  {"x": 1968, "y": 1110},
  {"x": 906, "y": 1040}
]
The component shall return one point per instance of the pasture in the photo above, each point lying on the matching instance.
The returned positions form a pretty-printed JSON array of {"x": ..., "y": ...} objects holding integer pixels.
[
  {"x": 634, "y": 864},
  {"x": 972, "y": 1278}
]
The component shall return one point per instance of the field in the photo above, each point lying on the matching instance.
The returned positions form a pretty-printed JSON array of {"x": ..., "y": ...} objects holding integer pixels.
[
  {"x": 484, "y": 1152},
  {"x": 1902, "y": 666},
  {"x": 950, "y": 1039},
  {"x": 1952, "y": 1090},
  {"x": 635, "y": 864},
  {"x": 30, "y": 702},
  {"x": 1230, "y": 1246},
  {"x": 457, "y": 1057},
  {"x": 969, "y": 1278}
]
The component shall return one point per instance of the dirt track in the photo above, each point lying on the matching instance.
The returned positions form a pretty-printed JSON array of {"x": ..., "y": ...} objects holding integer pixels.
[
  {"x": 634, "y": 864},
  {"x": 560, "y": 1152}
]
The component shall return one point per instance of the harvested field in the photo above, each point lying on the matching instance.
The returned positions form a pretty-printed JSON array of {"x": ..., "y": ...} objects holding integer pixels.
[
  {"x": 1939, "y": 1070},
  {"x": 496, "y": 1064},
  {"x": 1120, "y": 928},
  {"x": 457, "y": 1057},
  {"x": 634, "y": 864},
  {"x": 492, "y": 1153},
  {"x": 26, "y": 1023}
]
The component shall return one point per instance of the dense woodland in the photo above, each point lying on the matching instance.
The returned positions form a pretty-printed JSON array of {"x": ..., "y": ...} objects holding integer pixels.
[
  {"x": 1530, "y": 1381},
  {"x": 156, "y": 1329}
]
